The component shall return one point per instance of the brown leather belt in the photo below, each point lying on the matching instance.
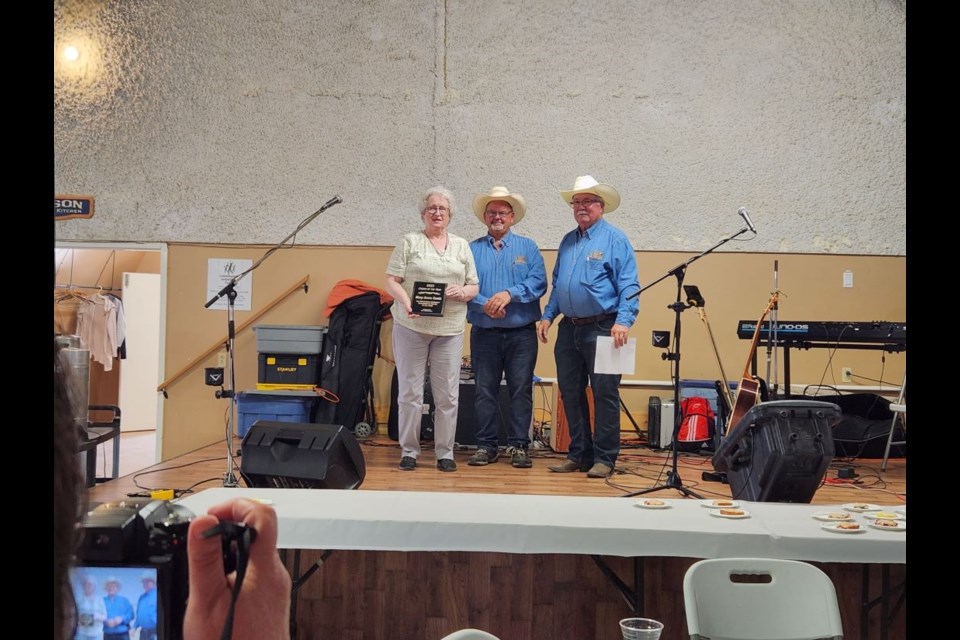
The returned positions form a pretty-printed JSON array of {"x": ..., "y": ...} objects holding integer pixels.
[{"x": 590, "y": 320}]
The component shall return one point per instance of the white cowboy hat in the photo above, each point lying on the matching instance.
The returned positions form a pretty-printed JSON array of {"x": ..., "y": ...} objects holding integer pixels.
[
  {"x": 587, "y": 184},
  {"x": 481, "y": 200}
]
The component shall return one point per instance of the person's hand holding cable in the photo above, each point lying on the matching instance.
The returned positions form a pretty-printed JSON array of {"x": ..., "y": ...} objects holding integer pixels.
[{"x": 261, "y": 610}]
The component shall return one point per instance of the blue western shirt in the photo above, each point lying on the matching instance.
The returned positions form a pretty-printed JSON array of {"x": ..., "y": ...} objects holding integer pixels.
[
  {"x": 118, "y": 606},
  {"x": 595, "y": 274},
  {"x": 147, "y": 610},
  {"x": 516, "y": 268}
]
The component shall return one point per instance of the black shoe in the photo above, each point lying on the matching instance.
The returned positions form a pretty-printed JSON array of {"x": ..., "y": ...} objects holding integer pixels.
[
  {"x": 519, "y": 457},
  {"x": 483, "y": 457},
  {"x": 408, "y": 463},
  {"x": 446, "y": 465}
]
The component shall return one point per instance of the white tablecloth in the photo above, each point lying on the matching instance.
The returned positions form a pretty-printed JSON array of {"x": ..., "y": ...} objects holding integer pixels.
[{"x": 427, "y": 521}]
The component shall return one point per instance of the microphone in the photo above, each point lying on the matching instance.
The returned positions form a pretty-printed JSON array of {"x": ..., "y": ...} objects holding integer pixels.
[
  {"x": 746, "y": 218},
  {"x": 332, "y": 201}
]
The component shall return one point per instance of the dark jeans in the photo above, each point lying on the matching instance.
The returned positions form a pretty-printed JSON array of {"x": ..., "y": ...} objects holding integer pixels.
[
  {"x": 498, "y": 353},
  {"x": 574, "y": 351}
]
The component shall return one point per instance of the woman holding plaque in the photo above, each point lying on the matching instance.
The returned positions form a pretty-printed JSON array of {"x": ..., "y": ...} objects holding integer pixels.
[{"x": 431, "y": 276}]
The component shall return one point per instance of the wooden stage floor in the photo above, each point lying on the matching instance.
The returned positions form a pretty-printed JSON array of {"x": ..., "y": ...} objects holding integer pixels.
[{"x": 638, "y": 468}]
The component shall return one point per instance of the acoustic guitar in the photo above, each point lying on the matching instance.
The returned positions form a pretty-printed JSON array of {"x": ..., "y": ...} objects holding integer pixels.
[{"x": 748, "y": 391}]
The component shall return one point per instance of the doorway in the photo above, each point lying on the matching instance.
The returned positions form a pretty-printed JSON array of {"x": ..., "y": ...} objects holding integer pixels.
[{"x": 130, "y": 380}]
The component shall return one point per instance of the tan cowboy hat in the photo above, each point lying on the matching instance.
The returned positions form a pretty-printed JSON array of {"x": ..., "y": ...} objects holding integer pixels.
[
  {"x": 587, "y": 184},
  {"x": 481, "y": 200}
]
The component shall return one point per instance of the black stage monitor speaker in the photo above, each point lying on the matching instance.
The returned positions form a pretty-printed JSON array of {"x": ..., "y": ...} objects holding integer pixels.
[
  {"x": 290, "y": 455},
  {"x": 779, "y": 451}
]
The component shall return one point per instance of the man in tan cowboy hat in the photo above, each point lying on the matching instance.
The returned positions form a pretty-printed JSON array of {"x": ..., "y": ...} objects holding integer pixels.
[
  {"x": 503, "y": 334},
  {"x": 595, "y": 288},
  {"x": 120, "y": 614}
]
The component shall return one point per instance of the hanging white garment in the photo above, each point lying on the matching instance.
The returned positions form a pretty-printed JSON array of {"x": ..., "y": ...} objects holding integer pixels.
[{"x": 97, "y": 326}]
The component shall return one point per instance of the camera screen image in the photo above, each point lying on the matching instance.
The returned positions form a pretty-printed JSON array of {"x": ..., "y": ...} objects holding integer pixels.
[{"x": 118, "y": 600}]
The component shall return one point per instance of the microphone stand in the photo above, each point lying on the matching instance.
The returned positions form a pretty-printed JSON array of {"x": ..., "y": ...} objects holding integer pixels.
[
  {"x": 230, "y": 290},
  {"x": 678, "y": 307}
]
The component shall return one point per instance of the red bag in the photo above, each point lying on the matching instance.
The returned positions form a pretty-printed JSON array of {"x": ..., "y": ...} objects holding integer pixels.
[{"x": 697, "y": 423}]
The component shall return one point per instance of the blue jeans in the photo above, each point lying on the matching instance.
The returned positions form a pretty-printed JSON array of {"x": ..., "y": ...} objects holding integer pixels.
[
  {"x": 498, "y": 353},
  {"x": 574, "y": 351}
]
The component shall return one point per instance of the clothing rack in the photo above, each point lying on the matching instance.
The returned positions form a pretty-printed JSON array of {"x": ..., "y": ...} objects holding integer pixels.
[{"x": 84, "y": 286}]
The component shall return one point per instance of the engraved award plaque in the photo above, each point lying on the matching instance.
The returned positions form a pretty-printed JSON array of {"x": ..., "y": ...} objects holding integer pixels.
[{"x": 428, "y": 297}]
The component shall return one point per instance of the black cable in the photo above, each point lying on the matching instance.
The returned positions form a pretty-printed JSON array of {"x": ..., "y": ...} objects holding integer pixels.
[{"x": 243, "y": 555}]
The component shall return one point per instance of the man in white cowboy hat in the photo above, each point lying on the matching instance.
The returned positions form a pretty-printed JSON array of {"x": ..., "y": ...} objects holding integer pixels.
[
  {"x": 503, "y": 334},
  {"x": 146, "y": 619},
  {"x": 119, "y": 611},
  {"x": 595, "y": 288}
]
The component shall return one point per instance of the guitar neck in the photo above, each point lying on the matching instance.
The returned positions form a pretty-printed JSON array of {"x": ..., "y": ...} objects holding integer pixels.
[{"x": 725, "y": 393}]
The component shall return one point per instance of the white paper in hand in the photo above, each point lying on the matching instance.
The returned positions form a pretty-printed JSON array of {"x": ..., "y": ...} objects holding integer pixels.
[{"x": 609, "y": 359}]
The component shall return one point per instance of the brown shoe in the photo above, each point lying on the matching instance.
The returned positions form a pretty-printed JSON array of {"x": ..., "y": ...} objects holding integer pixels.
[
  {"x": 567, "y": 466},
  {"x": 599, "y": 470}
]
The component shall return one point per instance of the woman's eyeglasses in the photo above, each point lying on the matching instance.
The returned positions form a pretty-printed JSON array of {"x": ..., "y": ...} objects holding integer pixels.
[{"x": 437, "y": 209}]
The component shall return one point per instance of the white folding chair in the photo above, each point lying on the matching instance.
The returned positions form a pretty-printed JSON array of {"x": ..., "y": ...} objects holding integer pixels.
[
  {"x": 899, "y": 409},
  {"x": 760, "y": 599},
  {"x": 470, "y": 634}
]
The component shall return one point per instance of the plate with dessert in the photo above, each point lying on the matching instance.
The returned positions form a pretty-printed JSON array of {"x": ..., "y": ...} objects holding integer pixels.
[
  {"x": 729, "y": 512},
  {"x": 653, "y": 503},
  {"x": 861, "y": 507},
  {"x": 843, "y": 527},
  {"x": 833, "y": 516},
  {"x": 888, "y": 525},
  {"x": 719, "y": 504}
]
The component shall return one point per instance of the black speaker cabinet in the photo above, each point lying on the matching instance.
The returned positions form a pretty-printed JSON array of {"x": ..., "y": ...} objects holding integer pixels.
[
  {"x": 467, "y": 415},
  {"x": 289, "y": 455},
  {"x": 779, "y": 451}
]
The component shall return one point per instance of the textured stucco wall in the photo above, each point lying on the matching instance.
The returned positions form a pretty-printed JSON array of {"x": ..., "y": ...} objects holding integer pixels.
[{"x": 232, "y": 121}]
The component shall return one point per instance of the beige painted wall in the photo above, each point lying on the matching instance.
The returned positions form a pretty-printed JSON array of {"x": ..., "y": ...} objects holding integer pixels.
[{"x": 735, "y": 286}]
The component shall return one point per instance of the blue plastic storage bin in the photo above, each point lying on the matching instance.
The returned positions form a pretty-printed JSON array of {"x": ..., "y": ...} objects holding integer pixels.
[{"x": 276, "y": 406}]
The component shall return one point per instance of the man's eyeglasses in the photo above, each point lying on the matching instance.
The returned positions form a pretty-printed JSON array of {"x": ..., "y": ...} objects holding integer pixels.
[
  {"x": 498, "y": 214},
  {"x": 584, "y": 203},
  {"x": 437, "y": 209}
]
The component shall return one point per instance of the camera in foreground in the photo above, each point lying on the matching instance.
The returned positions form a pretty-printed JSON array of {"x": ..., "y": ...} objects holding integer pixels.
[
  {"x": 131, "y": 572},
  {"x": 133, "y": 556}
]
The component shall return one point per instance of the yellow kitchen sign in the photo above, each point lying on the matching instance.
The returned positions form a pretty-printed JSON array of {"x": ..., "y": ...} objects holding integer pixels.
[{"x": 69, "y": 207}]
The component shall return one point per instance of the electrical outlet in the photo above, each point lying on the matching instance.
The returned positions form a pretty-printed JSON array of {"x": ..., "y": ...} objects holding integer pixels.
[
  {"x": 846, "y": 374},
  {"x": 222, "y": 359}
]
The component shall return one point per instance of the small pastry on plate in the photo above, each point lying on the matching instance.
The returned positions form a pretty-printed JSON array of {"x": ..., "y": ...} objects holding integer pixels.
[
  {"x": 879, "y": 522},
  {"x": 723, "y": 503},
  {"x": 731, "y": 512},
  {"x": 838, "y": 515},
  {"x": 848, "y": 525},
  {"x": 653, "y": 502}
]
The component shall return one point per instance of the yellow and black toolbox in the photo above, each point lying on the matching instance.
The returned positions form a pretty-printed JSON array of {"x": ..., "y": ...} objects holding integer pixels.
[{"x": 288, "y": 356}]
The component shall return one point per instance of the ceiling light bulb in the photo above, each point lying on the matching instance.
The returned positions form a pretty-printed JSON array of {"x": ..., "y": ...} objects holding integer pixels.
[{"x": 71, "y": 53}]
